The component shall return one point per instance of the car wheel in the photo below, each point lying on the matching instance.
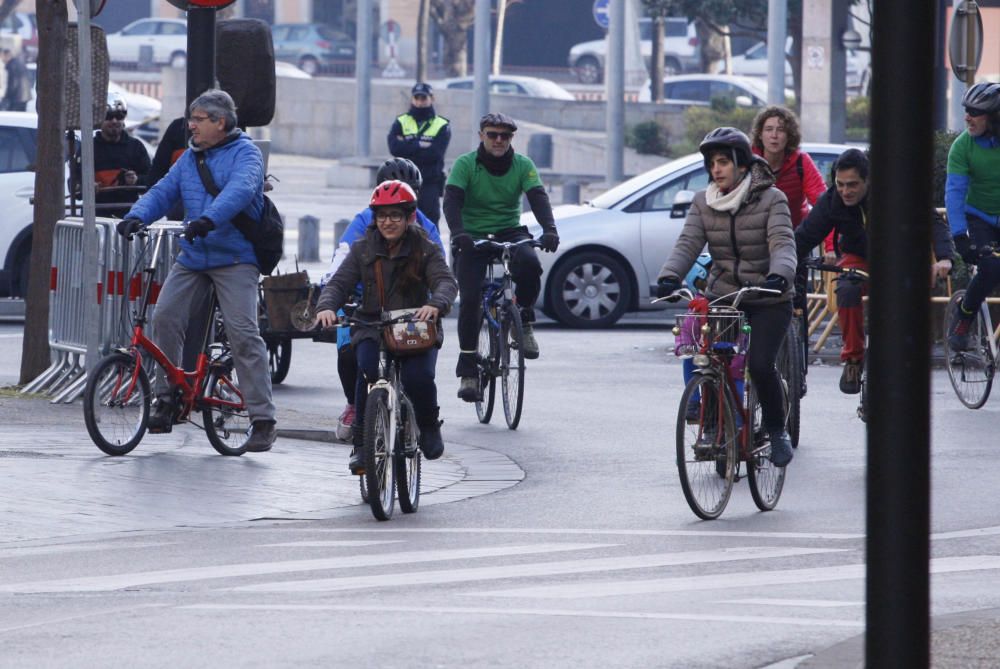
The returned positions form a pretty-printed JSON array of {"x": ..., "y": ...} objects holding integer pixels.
[
  {"x": 178, "y": 60},
  {"x": 671, "y": 67},
  {"x": 309, "y": 65},
  {"x": 590, "y": 290},
  {"x": 588, "y": 70}
]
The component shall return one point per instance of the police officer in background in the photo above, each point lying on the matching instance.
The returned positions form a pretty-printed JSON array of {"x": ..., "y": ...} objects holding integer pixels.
[{"x": 422, "y": 136}]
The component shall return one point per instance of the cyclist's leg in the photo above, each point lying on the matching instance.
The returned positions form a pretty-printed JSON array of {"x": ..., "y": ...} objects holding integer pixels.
[
  {"x": 526, "y": 270},
  {"x": 470, "y": 272},
  {"x": 417, "y": 375},
  {"x": 768, "y": 324},
  {"x": 182, "y": 289},
  {"x": 236, "y": 288},
  {"x": 347, "y": 370},
  {"x": 851, "y": 315},
  {"x": 988, "y": 269},
  {"x": 366, "y": 353}
]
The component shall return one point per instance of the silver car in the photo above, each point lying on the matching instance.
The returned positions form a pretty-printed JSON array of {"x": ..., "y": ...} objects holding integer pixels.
[{"x": 612, "y": 248}]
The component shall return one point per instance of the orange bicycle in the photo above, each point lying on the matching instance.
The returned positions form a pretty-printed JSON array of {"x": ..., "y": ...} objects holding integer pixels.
[{"x": 117, "y": 397}]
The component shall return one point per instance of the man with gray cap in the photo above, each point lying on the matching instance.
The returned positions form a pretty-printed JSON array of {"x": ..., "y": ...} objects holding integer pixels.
[
  {"x": 422, "y": 136},
  {"x": 213, "y": 253}
]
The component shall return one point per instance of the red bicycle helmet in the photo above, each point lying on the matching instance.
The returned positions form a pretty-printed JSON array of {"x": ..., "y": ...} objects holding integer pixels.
[{"x": 393, "y": 194}]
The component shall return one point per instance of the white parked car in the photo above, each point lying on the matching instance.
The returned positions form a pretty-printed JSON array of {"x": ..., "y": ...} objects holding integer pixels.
[
  {"x": 18, "y": 142},
  {"x": 701, "y": 89},
  {"x": 612, "y": 248},
  {"x": 165, "y": 38},
  {"x": 680, "y": 51},
  {"x": 753, "y": 63},
  {"x": 514, "y": 85}
]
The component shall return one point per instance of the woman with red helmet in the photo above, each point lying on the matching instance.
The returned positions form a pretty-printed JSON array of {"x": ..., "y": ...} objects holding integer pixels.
[{"x": 416, "y": 276}]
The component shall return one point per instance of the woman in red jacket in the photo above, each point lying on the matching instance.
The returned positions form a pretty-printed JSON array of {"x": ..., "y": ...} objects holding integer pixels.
[{"x": 776, "y": 137}]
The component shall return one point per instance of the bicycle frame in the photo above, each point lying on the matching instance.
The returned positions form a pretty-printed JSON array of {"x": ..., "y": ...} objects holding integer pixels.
[{"x": 504, "y": 286}]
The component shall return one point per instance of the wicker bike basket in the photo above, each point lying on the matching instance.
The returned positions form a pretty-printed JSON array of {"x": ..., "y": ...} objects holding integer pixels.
[
  {"x": 281, "y": 293},
  {"x": 723, "y": 330}
]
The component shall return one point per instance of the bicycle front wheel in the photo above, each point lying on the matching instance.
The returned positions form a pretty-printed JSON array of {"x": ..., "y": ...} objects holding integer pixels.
[
  {"x": 512, "y": 365},
  {"x": 790, "y": 368},
  {"x": 970, "y": 372},
  {"x": 486, "y": 364},
  {"x": 116, "y": 404},
  {"x": 378, "y": 444},
  {"x": 407, "y": 459},
  {"x": 706, "y": 449},
  {"x": 227, "y": 421},
  {"x": 766, "y": 480}
]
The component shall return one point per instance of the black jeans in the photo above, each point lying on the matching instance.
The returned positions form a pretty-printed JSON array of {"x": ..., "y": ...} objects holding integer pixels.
[
  {"x": 417, "y": 374},
  {"x": 768, "y": 324},
  {"x": 526, "y": 271},
  {"x": 429, "y": 200},
  {"x": 987, "y": 276}
]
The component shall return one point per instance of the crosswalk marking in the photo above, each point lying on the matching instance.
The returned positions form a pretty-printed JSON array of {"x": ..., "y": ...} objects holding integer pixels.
[
  {"x": 811, "y": 603},
  {"x": 120, "y": 581},
  {"x": 596, "y": 532},
  {"x": 465, "y": 611},
  {"x": 54, "y": 549},
  {"x": 346, "y": 543},
  {"x": 756, "y": 579},
  {"x": 581, "y": 566}
]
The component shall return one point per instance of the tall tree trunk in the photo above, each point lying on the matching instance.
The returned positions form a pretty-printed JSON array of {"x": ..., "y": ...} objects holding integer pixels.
[
  {"x": 49, "y": 187},
  {"x": 456, "y": 53},
  {"x": 498, "y": 42},
  {"x": 423, "y": 21}
]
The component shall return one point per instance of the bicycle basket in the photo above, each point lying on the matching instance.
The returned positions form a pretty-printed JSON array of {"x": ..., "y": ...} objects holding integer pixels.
[{"x": 725, "y": 332}]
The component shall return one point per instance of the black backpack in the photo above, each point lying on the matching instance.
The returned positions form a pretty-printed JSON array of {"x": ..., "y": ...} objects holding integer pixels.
[{"x": 267, "y": 236}]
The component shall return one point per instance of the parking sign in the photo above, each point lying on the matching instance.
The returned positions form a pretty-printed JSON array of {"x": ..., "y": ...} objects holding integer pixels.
[{"x": 601, "y": 13}]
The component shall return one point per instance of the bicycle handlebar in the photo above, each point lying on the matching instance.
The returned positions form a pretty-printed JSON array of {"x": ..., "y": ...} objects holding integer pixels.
[
  {"x": 490, "y": 243},
  {"x": 851, "y": 272},
  {"x": 684, "y": 293}
]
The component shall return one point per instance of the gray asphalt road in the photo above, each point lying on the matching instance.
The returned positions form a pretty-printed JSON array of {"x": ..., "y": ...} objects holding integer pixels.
[{"x": 593, "y": 560}]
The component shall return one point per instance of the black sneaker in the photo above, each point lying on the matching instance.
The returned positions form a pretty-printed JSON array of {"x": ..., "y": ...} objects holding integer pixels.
[
  {"x": 961, "y": 323},
  {"x": 850, "y": 379},
  {"x": 781, "y": 448},
  {"x": 262, "y": 436},
  {"x": 357, "y": 461},
  {"x": 529, "y": 345},
  {"x": 161, "y": 415},
  {"x": 468, "y": 389},
  {"x": 431, "y": 444}
]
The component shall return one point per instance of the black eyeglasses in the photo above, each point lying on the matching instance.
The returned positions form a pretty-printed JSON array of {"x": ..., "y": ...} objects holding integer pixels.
[
  {"x": 974, "y": 112},
  {"x": 114, "y": 116},
  {"x": 503, "y": 136},
  {"x": 394, "y": 216}
]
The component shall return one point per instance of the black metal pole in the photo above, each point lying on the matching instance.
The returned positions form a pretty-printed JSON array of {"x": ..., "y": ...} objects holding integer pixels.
[
  {"x": 898, "y": 515},
  {"x": 201, "y": 51}
]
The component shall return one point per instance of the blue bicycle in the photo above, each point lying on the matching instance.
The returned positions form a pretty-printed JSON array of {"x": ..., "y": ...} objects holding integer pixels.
[{"x": 499, "y": 352}]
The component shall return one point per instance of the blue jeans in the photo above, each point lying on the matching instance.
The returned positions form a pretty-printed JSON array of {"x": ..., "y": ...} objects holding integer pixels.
[{"x": 417, "y": 373}]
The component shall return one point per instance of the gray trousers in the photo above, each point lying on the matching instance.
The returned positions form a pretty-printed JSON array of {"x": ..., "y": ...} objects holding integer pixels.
[{"x": 236, "y": 288}]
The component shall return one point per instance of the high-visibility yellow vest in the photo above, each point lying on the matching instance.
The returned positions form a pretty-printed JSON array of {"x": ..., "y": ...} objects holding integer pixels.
[{"x": 428, "y": 130}]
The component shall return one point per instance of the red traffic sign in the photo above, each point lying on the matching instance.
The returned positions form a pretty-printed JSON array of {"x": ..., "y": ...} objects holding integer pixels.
[{"x": 211, "y": 4}]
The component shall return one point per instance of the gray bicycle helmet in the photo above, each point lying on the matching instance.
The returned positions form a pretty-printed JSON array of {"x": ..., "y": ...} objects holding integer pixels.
[
  {"x": 400, "y": 169},
  {"x": 730, "y": 140},
  {"x": 117, "y": 104},
  {"x": 983, "y": 97},
  {"x": 497, "y": 120}
]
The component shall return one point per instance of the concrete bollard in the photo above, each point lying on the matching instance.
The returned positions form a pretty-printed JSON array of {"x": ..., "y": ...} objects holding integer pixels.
[
  {"x": 339, "y": 228},
  {"x": 309, "y": 239},
  {"x": 571, "y": 192}
]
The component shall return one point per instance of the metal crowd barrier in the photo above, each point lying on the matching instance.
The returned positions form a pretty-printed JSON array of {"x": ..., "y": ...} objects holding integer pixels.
[{"x": 120, "y": 264}]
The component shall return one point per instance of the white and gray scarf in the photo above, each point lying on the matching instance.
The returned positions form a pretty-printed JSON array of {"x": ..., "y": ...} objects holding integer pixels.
[{"x": 731, "y": 201}]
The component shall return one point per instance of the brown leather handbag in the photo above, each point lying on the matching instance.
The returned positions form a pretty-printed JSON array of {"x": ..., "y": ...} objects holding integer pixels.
[{"x": 407, "y": 337}]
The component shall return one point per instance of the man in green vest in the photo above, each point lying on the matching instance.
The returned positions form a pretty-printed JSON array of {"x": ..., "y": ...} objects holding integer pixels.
[{"x": 422, "y": 136}]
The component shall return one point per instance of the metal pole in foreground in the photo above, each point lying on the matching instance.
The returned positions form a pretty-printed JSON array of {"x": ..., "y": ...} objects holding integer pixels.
[
  {"x": 614, "y": 77},
  {"x": 363, "y": 72},
  {"x": 481, "y": 62},
  {"x": 898, "y": 516},
  {"x": 201, "y": 52},
  {"x": 777, "y": 17},
  {"x": 93, "y": 314}
]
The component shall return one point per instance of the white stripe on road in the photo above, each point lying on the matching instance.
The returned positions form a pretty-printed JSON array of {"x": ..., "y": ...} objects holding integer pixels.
[
  {"x": 25, "y": 551},
  {"x": 581, "y": 590},
  {"x": 466, "y": 611},
  {"x": 811, "y": 603},
  {"x": 346, "y": 543},
  {"x": 965, "y": 534},
  {"x": 574, "y": 531},
  {"x": 531, "y": 569},
  {"x": 121, "y": 581}
]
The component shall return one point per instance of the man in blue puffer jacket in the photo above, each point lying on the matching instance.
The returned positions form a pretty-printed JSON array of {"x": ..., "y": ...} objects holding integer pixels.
[{"x": 213, "y": 251}]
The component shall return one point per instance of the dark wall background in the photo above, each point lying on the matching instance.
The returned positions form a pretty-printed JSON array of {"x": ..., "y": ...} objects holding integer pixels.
[{"x": 539, "y": 33}]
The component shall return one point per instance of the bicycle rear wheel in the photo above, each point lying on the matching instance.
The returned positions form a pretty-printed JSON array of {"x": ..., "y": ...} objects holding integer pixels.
[
  {"x": 790, "y": 368},
  {"x": 279, "y": 358},
  {"x": 227, "y": 427},
  {"x": 512, "y": 365},
  {"x": 706, "y": 450},
  {"x": 407, "y": 459},
  {"x": 379, "y": 436},
  {"x": 766, "y": 480},
  {"x": 116, "y": 409},
  {"x": 970, "y": 372},
  {"x": 486, "y": 357}
]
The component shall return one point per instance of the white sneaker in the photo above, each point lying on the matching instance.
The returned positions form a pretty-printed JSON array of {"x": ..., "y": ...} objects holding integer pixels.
[{"x": 345, "y": 422}]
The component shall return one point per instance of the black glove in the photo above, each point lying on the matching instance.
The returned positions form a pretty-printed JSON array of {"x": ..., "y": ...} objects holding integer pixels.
[
  {"x": 667, "y": 285},
  {"x": 549, "y": 240},
  {"x": 775, "y": 282},
  {"x": 129, "y": 226},
  {"x": 461, "y": 242},
  {"x": 963, "y": 245},
  {"x": 199, "y": 227}
]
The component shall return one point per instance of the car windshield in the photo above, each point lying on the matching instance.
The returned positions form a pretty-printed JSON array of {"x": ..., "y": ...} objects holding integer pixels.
[
  {"x": 328, "y": 33},
  {"x": 613, "y": 196}
]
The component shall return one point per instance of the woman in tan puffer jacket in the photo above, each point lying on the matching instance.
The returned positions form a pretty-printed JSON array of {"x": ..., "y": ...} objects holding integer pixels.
[{"x": 745, "y": 221}]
